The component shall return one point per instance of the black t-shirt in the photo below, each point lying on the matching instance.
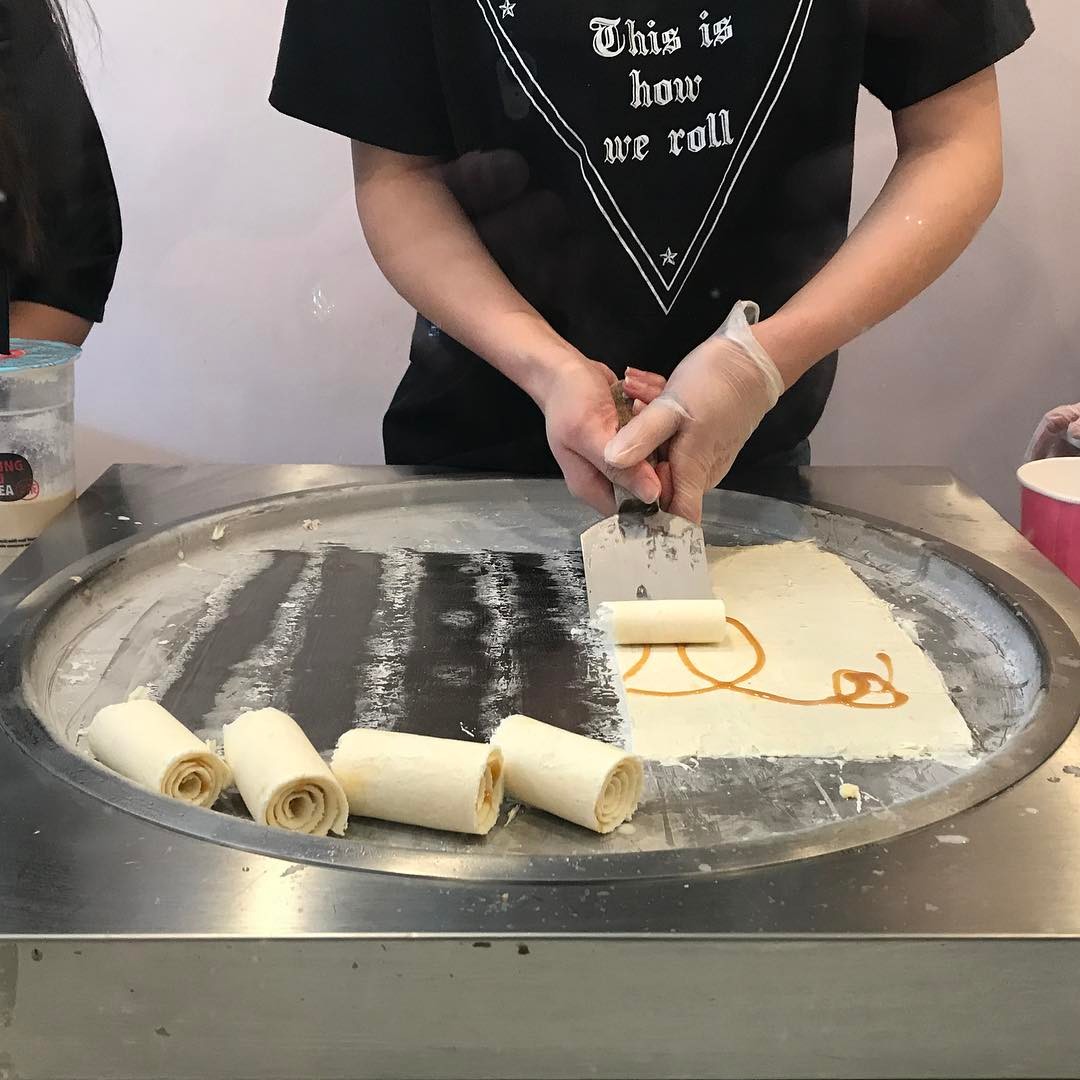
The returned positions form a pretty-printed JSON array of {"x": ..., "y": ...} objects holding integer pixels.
[
  {"x": 669, "y": 159},
  {"x": 77, "y": 208}
]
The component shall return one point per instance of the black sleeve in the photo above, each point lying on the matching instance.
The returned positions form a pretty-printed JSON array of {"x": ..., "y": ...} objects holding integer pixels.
[
  {"x": 918, "y": 48},
  {"x": 77, "y": 211},
  {"x": 80, "y": 229},
  {"x": 366, "y": 69}
]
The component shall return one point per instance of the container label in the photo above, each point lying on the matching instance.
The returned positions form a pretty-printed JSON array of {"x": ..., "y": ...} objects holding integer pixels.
[{"x": 16, "y": 479}]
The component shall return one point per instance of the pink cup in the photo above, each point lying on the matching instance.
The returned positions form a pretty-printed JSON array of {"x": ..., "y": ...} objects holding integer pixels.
[{"x": 1050, "y": 510}]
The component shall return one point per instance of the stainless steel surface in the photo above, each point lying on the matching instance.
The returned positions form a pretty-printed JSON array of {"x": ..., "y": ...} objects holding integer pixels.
[
  {"x": 640, "y": 555},
  {"x": 339, "y": 1010},
  {"x": 130, "y": 949},
  {"x": 441, "y": 606}
]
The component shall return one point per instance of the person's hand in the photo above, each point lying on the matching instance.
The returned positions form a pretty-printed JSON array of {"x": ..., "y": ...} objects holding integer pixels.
[
  {"x": 711, "y": 405},
  {"x": 1058, "y": 435},
  {"x": 581, "y": 419}
]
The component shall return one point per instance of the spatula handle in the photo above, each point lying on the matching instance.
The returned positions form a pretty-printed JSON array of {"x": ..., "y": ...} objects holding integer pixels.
[{"x": 625, "y": 502}]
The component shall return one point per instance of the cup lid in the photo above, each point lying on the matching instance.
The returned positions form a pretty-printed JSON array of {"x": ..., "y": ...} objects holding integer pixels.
[
  {"x": 26, "y": 354},
  {"x": 1056, "y": 478}
]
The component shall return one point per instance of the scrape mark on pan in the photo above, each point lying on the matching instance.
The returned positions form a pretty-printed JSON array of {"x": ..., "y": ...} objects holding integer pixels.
[
  {"x": 246, "y": 620},
  {"x": 567, "y": 677},
  {"x": 334, "y": 653},
  {"x": 460, "y": 640},
  {"x": 264, "y": 678},
  {"x": 447, "y": 668},
  {"x": 380, "y": 701},
  {"x": 496, "y": 586}
]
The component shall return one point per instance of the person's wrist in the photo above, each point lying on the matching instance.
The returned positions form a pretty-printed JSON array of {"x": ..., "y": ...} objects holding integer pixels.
[
  {"x": 546, "y": 369},
  {"x": 785, "y": 348},
  {"x": 536, "y": 357},
  {"x": 543, "y": 366}
]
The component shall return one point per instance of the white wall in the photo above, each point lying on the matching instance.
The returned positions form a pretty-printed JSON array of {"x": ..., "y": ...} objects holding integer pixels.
[
  {"x": 962, "y": 376},
  {"x": 250, "y": 324}
]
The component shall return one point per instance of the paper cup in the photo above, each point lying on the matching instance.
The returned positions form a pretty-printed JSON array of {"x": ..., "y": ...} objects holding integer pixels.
[{"x": 1050, "y": 510}]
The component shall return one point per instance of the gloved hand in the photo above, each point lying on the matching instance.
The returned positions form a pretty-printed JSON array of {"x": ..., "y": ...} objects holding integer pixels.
[
  {"x": 1058, "y": 435},
  {"x": 711, "y": 405}
]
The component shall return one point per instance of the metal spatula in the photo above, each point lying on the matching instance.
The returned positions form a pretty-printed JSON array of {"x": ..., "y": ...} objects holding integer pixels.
[{"x": 643, "y": 553}]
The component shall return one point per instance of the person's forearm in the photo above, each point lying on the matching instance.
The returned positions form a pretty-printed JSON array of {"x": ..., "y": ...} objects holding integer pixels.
[
  {"x": 946, "y": 182},
  {"x": 431, "y": 253},
  {"x": 37, "y": 322}
]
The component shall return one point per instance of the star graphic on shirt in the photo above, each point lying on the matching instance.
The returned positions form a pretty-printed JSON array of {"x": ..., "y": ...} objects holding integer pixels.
[
  {"x": 508, "y": 10},
  {"x": 669, "y": 257}
]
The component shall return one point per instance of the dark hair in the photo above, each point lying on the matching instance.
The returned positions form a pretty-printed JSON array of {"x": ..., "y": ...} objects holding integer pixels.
[
  {"x": 19, "y": 208},
  {"x": 63, "y": 30}
]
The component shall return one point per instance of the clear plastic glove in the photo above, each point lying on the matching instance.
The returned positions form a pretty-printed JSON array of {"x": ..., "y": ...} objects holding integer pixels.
[
  {"x": 1057, "y": 436},
  {"x": 711, "y": 405}
]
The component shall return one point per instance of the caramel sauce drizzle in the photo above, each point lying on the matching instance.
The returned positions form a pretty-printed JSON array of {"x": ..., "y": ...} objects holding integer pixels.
[{"x": 850, "y": 688}]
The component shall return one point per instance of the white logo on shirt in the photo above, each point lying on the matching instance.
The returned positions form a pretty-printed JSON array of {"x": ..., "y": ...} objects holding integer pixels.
[{"x": 665, "y": 273}]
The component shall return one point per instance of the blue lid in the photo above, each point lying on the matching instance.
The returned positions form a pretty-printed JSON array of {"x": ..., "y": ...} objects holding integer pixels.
[{"x": 37, "y": 354}]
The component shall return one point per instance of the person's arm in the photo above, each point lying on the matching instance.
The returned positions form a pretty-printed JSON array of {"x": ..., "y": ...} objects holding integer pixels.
[
  {"x": 37, "y": 322},
  {"x": 431, "y": 253},
  {"x": 1058, "y": 434},
  {"x": 62, "y": 230},
  {"x": 947, "y": 180}
]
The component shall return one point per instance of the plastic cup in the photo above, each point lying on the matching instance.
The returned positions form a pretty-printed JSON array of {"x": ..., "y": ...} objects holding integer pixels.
[
  {"x": 1050, "y": 510},
  {"x": 37, "y": 453}
]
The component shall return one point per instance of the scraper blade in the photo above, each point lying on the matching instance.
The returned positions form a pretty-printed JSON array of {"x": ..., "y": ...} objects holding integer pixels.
[
  {"x": 639, "y": 555},
  {"x": 643, "y": 553}
]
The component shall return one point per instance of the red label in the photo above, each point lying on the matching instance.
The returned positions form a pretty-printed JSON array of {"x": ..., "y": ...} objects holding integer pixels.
[{"x": 16, "y": 479}]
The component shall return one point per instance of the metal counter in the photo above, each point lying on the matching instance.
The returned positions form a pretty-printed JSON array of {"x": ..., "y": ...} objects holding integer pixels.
[{"x": 131, "y": 947}]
